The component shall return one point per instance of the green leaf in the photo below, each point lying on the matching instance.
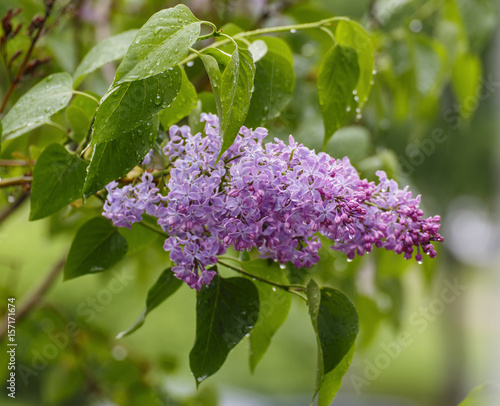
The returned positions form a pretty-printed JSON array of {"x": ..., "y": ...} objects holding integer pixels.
[
  {"x": 237, "y": 84},
  {"x": 181, "y": 106},
  {"x": 194, "y": 118},
  {"x": 160, "y": 44},
  {"x": 108, "y": 50},
  {"x": 466, "y": 79},
  {"x": 337, "y": 79},
  {"x": 480, "y": 19},
  {"x": 335, "y": 323},
  {"x": 274, "y": 83},
  {"x": 79, "y": 115},
  {"x": 274, "y": 307},
  {"x": 138, "y": 237},
  {"x": 58, "y": 179},
  {"x": 165, "y": 286},
  {"x": 258, "y": 49},
  {"x": 430, "y": 66},
  {"x": 226, "y": 310},
  {"x": 215, "y": 62},
  {"x": 352, "y": 34},
  {"x": 483, "y": 395},
  {"x": 333, "y": 379},
  {"x": 351, "y": 141},
  {"x": 96, "y": 247},
  {"x": 208, "y": 102},
  {"x": 113, "y": 159},
  {"x": 35, "y": 107},
  {"x": 450, "y": 30},
  {"x": 128, "y": 106}
]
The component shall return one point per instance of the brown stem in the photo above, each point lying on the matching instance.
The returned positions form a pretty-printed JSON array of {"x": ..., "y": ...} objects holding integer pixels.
[
  {"x": 26, "y": 59},
  {"x": 36, "y": 296},
  {"x": 15, "y": 162},
  {"x": 372, "y": 14},
  {"x": 19, "y": 180},
  {"x": 12, "y": 208},
  {"x": 103, "y": 30}
]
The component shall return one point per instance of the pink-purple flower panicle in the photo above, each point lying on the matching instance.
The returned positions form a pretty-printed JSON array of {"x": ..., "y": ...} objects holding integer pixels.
[{"x": 277, "y": 198}]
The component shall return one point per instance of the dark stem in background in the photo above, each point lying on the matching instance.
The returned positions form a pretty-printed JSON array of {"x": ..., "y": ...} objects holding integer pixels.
[
  {"x": 102, "y": 31},
  {"x": 373, "y": 17},
  {"x": 24, "y": 63},
  {"x": 11, "y": 209},
  {"x": 16, "y": 162},
  {"x": 19, "y": 180},
  {"x": 36, "y": 296}
]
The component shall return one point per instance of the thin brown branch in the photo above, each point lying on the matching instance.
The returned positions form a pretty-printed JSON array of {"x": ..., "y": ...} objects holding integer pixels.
[
  {"x": 103, "y": 30},
  {"x": 373, "y": 14},
  {"x": 13, "y": 207},
  {"x": 27, "y": 57},
  {"x": 36, "y": 296},
  {"x": 15, "y": 162},
  {"x": 18, "y": 180}
]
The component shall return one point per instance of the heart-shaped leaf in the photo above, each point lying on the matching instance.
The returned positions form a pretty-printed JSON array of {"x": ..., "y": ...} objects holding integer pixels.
[
  {"x": 274, "y": 83},
  {"x": 273, "y": 310},
  {"x": 58, "y": 179},
  {"x": 337, "y": 79},
  {"x": 166, "y": 285},
  {"x": 182, "y": 105},
  {"x": 129, "y": 105},
  {"x": 35, "y": 107},
  {"x": 237, "y": 84},
  {"x": 160, "y": 44},
  {"x": 113, "y": 159},
  {"x": 96, "y": 247},
  {"x": 226, "y": 310},
  {"x": 351, "y": 34},
  {"x": 335, "y": 323},
  {"x": 108, "y": 50}
]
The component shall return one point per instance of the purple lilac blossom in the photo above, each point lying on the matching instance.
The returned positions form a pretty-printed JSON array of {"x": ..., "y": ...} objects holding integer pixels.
[
  {"x": 277, "y": 198},
  {"x": 147, "y": 159}
]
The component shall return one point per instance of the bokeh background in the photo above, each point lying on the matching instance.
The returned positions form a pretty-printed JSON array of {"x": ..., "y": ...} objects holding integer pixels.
[{"x": 422, "y": 342}]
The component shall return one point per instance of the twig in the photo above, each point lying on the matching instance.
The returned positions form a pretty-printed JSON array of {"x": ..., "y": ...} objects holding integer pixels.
[
  {"x": 18, "y": 180},
  {"x": 102, "y": 31},
  {"x": 15, "y": 162},
  {"x": 25, "y": 61},
  {"x": 153, "y": 228},
  {"x": 288, "y": 288},
  {"x": 12, "y": 208},
  {"x": 373, "y": 14},
  {"x": 37, "y": 295}
]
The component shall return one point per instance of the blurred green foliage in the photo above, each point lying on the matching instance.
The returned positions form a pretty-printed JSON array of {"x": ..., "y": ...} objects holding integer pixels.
[{"x": 429, "y": 121}]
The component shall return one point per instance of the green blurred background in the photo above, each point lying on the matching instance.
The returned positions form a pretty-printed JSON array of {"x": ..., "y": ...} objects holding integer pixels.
[{"x": 415, "y": 348}]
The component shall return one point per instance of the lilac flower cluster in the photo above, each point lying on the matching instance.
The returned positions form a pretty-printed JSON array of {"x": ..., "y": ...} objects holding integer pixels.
[{"x": 277, "y": 198}]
